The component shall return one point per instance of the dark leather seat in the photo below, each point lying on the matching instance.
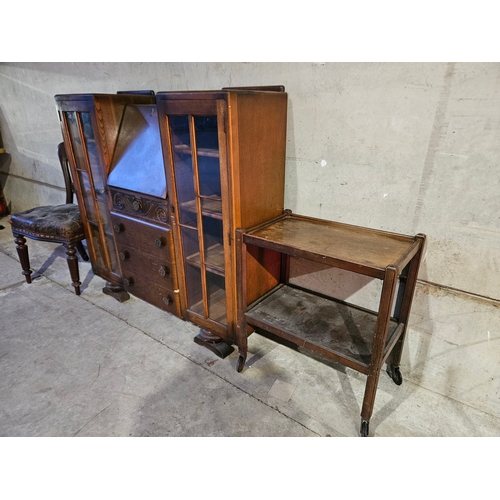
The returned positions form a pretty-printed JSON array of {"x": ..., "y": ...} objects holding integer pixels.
[{"x": 55, "y": 223}]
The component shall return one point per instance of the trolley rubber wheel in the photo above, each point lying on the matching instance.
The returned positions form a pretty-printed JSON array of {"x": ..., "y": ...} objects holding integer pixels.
[
  {"x": 365, "y": 428},
  {"x": 395, "y": 374}
]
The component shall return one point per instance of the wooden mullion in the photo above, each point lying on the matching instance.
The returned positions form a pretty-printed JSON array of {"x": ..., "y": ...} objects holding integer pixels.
[
  {"x": 174, "y": 209},
  {"x": 227, "y": 214},
  {"x": 199, "y": 215}
]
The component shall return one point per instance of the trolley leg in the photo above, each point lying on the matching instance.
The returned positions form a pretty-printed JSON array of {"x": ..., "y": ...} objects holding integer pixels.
[
  {"x": 241, "y": 271},
  {"x": 411, "y": 281},
  {"x": 241, "y": 361},
  {"x": 384, "y": 315}
]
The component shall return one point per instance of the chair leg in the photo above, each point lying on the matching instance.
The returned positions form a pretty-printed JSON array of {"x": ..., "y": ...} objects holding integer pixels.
[
  {"x": 73, "y": 267},
  {"x": 22, "y": 251},
  {"x": 81, "y": 251}
]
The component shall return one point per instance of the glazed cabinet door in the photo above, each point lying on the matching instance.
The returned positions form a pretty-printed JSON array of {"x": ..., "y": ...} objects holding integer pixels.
[
  {"x": 194, "y": 134},
  {"x": 89, "y": 180}
]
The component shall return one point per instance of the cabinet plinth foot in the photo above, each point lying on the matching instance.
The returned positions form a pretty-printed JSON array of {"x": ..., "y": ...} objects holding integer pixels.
[
  {"x": 116, "y": 291},
  {"x": 214, "y": 343}
]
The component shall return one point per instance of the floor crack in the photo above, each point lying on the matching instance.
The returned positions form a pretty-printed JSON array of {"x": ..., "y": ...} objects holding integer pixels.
[{"x": 90, "y": 420}]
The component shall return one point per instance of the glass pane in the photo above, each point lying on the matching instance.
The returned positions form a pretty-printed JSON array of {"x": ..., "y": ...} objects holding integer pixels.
[
  {"x": 213, "y": 240},
  {"x": 138, "y": 159},
  {"x": 207, "y": 147},
  {"x": 209, "y": 172},
  {"x": 187, "y": 213},
  {"x": 103, "y": 213},
  {"x": 212, "y": 206},
  {"x": 190, "y": 246},
  {"x": 193, "y": 289},
  {"x": 183, "y": 164},
  {"x": 107, "y": 227},
  {"x": 88, "y": 198},
  {"x": 76, "y": 141},
  {"x": 110, "y": 245},
  {"x": 96, "y": 243},
  {"x": 216, "y": 291},
  {"x": 92, "y": 153}
]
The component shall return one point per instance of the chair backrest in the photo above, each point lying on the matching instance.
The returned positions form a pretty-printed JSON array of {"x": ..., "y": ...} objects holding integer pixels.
[{"x": 63, "y": 160}]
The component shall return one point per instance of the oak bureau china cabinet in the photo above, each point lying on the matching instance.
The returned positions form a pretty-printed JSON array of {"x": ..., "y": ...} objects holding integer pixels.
[
  {"x": 225, "y": 152},
  {"x": 164, "y": 181}
]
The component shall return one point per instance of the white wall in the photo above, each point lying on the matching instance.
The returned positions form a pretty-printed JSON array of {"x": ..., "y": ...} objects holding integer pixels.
[{"x": 405, "y": 147}]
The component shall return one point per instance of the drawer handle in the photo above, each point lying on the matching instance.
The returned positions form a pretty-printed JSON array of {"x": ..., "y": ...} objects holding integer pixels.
[
  {"x": 118, "y": 228},
  {"x": 137, "y": 206},
  {"x": 124, "y": 255},
  {"x": 158, "y": 242},
  {"x": 167, "y": 300},
  {"x": 163, "y": 271},
  {"x": 128, "y": 281}
]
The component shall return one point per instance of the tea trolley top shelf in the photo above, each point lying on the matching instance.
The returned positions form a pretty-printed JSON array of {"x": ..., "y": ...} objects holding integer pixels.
[{"x": 359, "y": 249}]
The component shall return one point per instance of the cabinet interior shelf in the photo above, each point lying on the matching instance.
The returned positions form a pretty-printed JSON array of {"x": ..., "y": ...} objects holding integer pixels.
[
  {"x": 338, "y": 330},
  {"x": 187, "y": 150},
  {"x": 211, "y": 207},
  {"x": 214, "y": 259}
]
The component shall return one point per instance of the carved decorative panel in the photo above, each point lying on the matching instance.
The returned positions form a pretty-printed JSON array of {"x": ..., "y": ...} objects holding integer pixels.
[{"x": 141, "y": 206}]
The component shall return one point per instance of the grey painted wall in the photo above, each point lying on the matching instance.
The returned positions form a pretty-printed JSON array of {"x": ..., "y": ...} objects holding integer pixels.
[{"x": 405, "y": 147}]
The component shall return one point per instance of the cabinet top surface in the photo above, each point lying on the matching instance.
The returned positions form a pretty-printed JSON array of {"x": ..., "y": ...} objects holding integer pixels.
[
  {"x": 217, "y": 94},
  {"x": 334, "y": 240}
]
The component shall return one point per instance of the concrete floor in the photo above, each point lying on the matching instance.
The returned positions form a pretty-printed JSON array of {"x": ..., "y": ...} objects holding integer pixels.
[{"x": 91, "y": 366}]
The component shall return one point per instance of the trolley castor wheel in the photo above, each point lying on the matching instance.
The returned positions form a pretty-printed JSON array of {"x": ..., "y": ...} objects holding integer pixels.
[
  {"x": 241, "y": 364},
  {"x": 395, "y": 374},
  {"x": 365, "y": 427}
]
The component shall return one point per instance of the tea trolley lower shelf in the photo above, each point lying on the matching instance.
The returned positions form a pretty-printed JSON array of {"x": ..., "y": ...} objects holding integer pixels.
[{"x": 356, "y": 337}]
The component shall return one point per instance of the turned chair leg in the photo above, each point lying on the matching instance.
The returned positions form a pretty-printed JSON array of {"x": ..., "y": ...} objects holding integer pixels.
[
  {"x": 73, "y": 267},
  {"x": 22, "y": 251},
  {"x": 81, "y": 251}
]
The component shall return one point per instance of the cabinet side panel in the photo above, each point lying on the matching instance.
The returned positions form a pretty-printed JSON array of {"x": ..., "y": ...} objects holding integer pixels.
[
  {"x": 263, "y": 271},
  {"x": 258, "y": 124},
  {"x": 260, "y": 167}
]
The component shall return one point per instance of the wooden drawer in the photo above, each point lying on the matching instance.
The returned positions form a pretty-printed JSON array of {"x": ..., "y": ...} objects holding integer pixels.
[
  {"x": 145, "y": 237},
  {"x": 151, "y": 267},
  {"x": 145, "y": 252},
  {"x": 154, "y": 294}
]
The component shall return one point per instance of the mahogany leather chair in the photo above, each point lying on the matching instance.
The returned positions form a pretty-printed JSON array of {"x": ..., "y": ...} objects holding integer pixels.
[{"x": 55, "y": 223}]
